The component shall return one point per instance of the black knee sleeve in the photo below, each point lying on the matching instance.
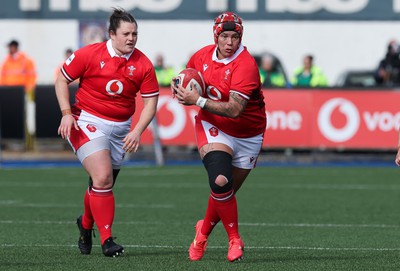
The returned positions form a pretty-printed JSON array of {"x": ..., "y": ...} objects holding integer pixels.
[
  {"x": 115, "y": 174},
  {"x": 219, "y": 163},
  {"x": 90, "y": 184}
]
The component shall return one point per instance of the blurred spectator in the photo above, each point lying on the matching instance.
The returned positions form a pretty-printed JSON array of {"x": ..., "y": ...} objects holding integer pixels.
[
  {"x": 92, "y": 32},
  {"x": 309, "y": 75},
  {"x": 397, "y": 159},
  {"x": 18, "y": 69},
  {"x": 68, "y": 52},
  {"x": 270, "y": 74},
  {"x": 357, "y": 79},
  {"x": 388, "y": 71},
  {"x": 164, "y": 74}
]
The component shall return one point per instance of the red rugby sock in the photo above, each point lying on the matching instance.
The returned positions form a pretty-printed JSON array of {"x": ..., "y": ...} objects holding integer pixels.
[
  {"x": 102, "y": 204},
  {"x": 87, "y": 218},
  {"x": 228, "y": 212},
  {"x": 211, "y": 218}
]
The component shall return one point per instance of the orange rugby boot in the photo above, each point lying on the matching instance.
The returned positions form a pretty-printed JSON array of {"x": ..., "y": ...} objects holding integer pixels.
[
  {"x": 235, "y": 251},
  {"x": 199, "y": 244}
]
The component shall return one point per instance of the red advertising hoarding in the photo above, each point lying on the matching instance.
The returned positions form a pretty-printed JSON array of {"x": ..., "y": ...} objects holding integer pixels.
[{"x": 338, "y": 119}]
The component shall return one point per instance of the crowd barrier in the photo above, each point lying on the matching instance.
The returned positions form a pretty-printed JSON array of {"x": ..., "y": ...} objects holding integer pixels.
[
  {"x": 48, "y": 113},
  {"x": 303, "y": 118},
  {"x": 297, "y": 118},
  {"x": 12, "y": 112},
  {"x": 44, "y": 118}
]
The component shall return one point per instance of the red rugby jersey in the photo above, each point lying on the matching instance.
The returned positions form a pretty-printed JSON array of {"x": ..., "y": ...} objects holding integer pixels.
[
  {"x": 109, "y": 83},
  {"x": 239, "y": 74}
]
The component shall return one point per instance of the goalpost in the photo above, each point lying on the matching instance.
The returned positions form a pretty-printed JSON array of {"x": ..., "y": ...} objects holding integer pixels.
[
  {"x": 157, "y": 146},
  {"x": 1, "y": 142},
  {"x": 157, "y": 143}
]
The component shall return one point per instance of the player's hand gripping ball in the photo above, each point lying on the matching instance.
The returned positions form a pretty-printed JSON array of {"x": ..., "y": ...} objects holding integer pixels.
[{"x": 188, "y": 76}]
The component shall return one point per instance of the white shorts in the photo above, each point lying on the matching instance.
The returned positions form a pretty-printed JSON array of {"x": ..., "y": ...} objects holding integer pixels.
[
  {"x": 245, "y": 150},
  {"x": 97, "y": 134}
]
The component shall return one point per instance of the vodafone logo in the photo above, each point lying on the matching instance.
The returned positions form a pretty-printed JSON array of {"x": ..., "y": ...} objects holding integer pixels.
[
  {"x": 213, "y": 93},
  {"x": 114, "y": 87},
  {"x": 173, "y": 129},
  {"x": 351, "y": 120}
]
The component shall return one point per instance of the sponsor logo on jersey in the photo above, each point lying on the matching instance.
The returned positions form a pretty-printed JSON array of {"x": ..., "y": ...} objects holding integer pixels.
[
  {"x": 102, "y": 63},
  {"x": 114, "y": 87},
  {"x": 205, "y": 67}
]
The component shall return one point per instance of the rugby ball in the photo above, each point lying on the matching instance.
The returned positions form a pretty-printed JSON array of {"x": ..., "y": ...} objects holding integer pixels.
[{"x": 188, "y": 76}]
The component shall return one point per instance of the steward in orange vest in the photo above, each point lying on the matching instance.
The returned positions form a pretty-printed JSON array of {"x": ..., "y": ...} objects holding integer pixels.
[{"x": 18, "y": 69}]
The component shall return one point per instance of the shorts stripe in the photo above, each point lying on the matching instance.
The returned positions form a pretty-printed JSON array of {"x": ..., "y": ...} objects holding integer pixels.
[
  {"x": 201, "y": 136},
  {"x": 77, "y": 139}
]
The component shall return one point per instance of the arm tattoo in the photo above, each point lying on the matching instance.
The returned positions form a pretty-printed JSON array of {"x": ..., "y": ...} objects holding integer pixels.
[
  {"x": 233, "y": 108},
  {"x": 239, "y": 99},
  {"x": 206, "y": 149}
]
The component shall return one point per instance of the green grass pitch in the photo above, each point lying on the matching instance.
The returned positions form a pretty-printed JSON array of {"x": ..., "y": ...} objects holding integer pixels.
[{"x": 291, "y": 218}]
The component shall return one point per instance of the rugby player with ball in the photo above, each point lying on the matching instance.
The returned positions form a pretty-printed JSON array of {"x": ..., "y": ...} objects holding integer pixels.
[{"x": 229, "y": 127}]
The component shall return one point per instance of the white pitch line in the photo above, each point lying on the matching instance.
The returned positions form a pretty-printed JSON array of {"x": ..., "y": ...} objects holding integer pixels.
[
  {"x": 10, "y": 203},
  {"x": 245, "y": 224},
  {"x": 173, "y": 185},
  {"x": 319, "y": 225},
  {"x": 329, "y": 186},
  {"x": 372, "y": 249}
]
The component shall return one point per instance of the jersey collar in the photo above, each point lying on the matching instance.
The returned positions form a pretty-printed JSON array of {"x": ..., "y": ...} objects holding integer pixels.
[
  {"x": 112, "y": 52},
  {"x": 229, "y": 59}
]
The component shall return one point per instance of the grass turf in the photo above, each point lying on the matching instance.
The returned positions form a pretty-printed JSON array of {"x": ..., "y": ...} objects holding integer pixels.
[{"x": 291, "y": 218}]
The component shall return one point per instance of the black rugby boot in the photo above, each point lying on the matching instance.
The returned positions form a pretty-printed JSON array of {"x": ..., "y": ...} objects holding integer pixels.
[
  {"x": 85, "y": 238},
  {"x": 111, "y": 249}
]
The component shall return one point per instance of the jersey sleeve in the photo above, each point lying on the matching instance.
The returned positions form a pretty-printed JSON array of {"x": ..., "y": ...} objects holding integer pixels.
[
  {"x": 190, "y": 63},
  {"x": 245, "y": 79},
  {"x": 149, "y": 86},
  {"x": 195, "y": 60},
  {"x": 74, "y": 67}
]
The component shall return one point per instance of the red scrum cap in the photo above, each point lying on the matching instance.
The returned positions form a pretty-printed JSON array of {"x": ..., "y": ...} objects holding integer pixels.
[{"x": 227, "y": 21}]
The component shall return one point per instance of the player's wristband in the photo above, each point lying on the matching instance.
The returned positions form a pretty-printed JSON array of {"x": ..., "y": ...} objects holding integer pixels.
[
  {"x": 66, "y": 112},
  {"x": 201, "y": 102}
]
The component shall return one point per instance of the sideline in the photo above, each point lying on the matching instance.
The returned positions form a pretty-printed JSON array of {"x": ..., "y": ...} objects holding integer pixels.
[{"x": 10, "y": 164}]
